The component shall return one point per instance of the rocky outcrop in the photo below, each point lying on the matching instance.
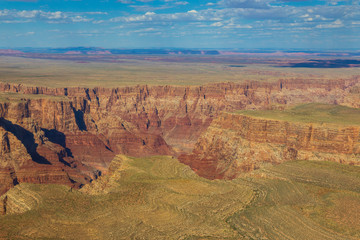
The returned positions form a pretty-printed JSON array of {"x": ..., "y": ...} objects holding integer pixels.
[
  {"x": 19, "y": 200},
  {"x": 236, "y": 143},
  {"x": 70, "y": 135}
]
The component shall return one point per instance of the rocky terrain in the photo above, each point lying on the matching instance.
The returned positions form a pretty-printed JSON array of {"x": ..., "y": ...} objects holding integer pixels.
[
  {"x": 70, "y": 135},
  {"x": 236, "y": 143}
]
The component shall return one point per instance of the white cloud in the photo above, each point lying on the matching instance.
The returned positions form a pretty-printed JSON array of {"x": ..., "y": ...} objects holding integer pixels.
[
  {"x": 98, "y": 21},
  {"x": 228, "y": 16},
  {"x": 28, "y": 14},
  {"x": 336, "y": 24},
  {"x": 217, "y": 24},
  {"x": 14, "y": 16},
  {"x": 145, "y": 30},
  {"x": 238, "y": 26},
  {"x": 52, "y": 15},
  {"x": 16, "y": 21},
  {"x": 258, "y": 4},
  {"x": 25, "y": 34},
  {"x": 126, "y": 1},
  {"x": 182, "y": 3},
  {"x": 189, "y": 16},
  {"x": 79, "y": 19}
]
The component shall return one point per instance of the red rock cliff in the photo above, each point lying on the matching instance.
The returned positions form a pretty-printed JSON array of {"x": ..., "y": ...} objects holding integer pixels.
[
  {"x": 77, "y": 134},
  {"x": 236, "y": 143}
]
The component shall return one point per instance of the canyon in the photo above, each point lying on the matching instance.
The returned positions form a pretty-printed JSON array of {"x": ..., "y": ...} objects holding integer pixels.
[{"x": 70, "y": 135}]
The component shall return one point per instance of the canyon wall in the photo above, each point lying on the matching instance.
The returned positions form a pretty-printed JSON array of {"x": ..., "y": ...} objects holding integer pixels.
[
  {"x": 70, "y": 135},
  {"x": 236, "y": 143}
]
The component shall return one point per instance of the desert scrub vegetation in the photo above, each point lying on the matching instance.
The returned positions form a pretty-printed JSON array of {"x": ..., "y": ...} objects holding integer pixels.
[
  {"x": 160, "y": 198},
  {"x": 310, "y": 113}
]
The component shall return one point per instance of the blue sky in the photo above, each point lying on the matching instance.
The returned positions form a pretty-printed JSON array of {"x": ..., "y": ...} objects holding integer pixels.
[{"x": 249, "y": 24}]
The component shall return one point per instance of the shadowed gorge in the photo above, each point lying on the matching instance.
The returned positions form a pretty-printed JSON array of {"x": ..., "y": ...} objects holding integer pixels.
[
  {"x": 79, "y": 118},
  {"x": 26, "y": 138}
]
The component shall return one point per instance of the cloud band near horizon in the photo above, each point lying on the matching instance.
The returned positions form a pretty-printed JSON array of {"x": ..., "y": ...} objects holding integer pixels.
[{"x": 330, "y": 24}]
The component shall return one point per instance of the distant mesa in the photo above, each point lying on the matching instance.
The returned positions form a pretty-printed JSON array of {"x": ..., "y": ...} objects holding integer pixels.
[
  {"x": 165, "y": 51},
  {"x": 236, "y": 66},
  {"x": 334, "y": 63},
  {"x": 103, "y": 51},
  {"x": 183, "y": 51},
  {"x": 270, "y": 53},
  {"x": 73, "y": 52},
  {"x": 287, "y": 53},
  {"x": 10, "y": 51}
]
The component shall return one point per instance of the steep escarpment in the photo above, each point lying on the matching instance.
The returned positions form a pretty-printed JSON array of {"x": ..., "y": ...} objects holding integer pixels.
[
  {"x": 236, "y": 143},
  {"x": 181, "y": 114},
  {"x": 70, "y": 135}
]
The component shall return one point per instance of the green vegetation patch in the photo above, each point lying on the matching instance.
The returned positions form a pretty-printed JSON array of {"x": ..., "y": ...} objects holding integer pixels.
[{"x": 310, "y": 113}]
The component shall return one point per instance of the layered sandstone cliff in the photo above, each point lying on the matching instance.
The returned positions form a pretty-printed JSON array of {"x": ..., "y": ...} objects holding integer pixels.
[
  {"x": 70, "y": 135},
  {"x": 178, "y": 114},
  {"x": 236, "y": 143}
]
